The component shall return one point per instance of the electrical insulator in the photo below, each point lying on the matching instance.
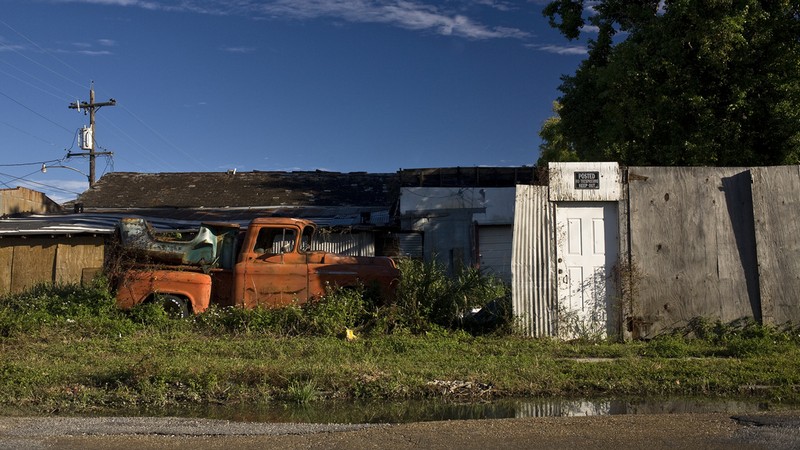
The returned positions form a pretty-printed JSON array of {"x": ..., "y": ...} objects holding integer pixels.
[{"x": 86, "y": 141}]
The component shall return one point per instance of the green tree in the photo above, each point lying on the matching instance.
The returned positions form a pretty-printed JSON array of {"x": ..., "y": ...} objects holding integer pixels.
[
  {"x": 554, "y": 146},
  {"x": 683, "y": 82}
]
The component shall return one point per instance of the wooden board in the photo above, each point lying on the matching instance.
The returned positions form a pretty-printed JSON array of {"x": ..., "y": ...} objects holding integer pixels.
[
  {"x": 6, "y": 260},
  {"x": 777, "y": 226},
  {"x": 692, "y": 245},
  {"x": 33, "y": 263},
  {"x": 76, "y": 254}
]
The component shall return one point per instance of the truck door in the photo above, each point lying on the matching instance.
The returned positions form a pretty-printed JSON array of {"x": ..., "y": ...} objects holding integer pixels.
[{"x": 275, "y": 274}]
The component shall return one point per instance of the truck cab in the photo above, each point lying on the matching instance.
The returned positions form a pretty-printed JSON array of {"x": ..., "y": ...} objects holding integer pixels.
[{"x": 272, "y": 264}]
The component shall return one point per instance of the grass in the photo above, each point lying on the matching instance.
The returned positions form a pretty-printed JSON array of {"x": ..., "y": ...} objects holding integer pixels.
[{"x": 70, "y": 348}]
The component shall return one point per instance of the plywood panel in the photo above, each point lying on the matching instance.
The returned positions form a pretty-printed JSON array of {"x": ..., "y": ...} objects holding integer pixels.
[
  {"x": 33, "y": 264},
  {"x": 6, "y": 258},
  {"x": 777, "y": 226},
  {"x": 692, "y": 243},
  {"x": 75, "y": 255},
  {"x": 584, "y": 181}
]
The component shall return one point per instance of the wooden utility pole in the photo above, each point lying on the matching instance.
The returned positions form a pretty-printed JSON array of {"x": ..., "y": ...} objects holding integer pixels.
[{"x": 91, "y": 107}]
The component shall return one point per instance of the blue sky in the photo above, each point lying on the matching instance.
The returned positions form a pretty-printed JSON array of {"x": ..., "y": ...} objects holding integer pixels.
[{"x": 212, "y": 85}]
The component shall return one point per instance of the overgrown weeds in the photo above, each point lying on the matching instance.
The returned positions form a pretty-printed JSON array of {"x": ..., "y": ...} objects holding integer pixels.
[
  {"x": 428, "y": 299},
  {"x": 743, "y": 338},
  {"x": 67, "y": 346}
]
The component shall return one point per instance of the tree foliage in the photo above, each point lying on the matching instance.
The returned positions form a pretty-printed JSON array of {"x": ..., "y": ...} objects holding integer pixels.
[{"x": 681, "y": 82}]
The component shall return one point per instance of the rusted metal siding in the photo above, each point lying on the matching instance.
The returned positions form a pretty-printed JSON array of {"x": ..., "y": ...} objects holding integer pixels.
[
  {"x": 776, "y": 206},
  {"x": 350, "y": 244},
  {"x": 532, "y": 264}
]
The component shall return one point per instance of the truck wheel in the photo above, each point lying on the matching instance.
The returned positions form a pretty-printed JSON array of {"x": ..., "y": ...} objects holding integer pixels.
[{"x": 175, "y": 307}]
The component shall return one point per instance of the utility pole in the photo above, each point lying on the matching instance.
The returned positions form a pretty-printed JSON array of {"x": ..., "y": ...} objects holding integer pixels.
[{"x": 91, "y": 106}]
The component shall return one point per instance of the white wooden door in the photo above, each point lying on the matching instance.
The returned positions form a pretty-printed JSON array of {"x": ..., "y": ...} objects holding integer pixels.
[{"x": 587, "y": 246}]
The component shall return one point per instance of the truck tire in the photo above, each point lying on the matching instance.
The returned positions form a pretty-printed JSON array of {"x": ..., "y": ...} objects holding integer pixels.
[{"x": 175, "y": 307}]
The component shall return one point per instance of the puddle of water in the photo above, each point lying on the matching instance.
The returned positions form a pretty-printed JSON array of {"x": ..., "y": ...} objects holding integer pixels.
[{"x": 422, "y": 410}]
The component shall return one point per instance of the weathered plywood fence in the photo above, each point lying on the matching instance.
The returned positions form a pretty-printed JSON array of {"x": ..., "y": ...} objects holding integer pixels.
[
  {"x": 27, "y": 261},
  {"x": 720, "y": 243},
  {"x": 776, "y": 206}
]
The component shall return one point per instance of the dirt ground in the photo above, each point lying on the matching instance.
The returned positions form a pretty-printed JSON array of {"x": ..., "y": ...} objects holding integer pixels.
[{"x": 772, "y": 431}]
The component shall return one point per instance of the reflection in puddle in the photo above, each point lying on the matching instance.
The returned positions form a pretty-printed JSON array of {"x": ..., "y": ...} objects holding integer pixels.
[{"x": 416, "y": 411}]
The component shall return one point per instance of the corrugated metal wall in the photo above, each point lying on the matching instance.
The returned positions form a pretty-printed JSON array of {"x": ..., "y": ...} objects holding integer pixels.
[
  {"x": 532, "y": 264},
  {"x": 351, "y": 244}
]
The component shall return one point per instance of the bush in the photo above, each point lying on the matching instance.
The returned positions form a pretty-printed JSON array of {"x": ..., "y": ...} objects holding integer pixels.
[
  {"x": 429, "y": 297},
  {"x": 82, "y": 308}
]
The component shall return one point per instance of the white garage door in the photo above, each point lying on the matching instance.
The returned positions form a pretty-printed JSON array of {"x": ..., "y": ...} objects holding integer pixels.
[{"x": 494, "y": 246}]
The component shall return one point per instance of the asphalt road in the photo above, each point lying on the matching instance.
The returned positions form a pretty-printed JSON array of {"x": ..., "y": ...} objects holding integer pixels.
[{"x": 774, "y": 431}]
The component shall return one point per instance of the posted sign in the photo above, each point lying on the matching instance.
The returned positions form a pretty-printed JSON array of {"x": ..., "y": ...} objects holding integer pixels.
[{"x": 587, "y": 180}]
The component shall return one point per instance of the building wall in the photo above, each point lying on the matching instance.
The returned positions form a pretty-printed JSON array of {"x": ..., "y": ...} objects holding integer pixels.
[
  {"x": 22, "y": 200},
  {"x": 449, "y": 217},
  {"x": 27, "y": 261},
  {"x": 497, "y": 204}
]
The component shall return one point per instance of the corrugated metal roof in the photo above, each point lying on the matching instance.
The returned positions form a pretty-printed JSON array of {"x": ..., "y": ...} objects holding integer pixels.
[{"x": 186, "y": 219}]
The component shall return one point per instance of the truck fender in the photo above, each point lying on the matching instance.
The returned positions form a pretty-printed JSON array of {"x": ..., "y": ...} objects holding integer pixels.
[{"x": 137, "y": 286}]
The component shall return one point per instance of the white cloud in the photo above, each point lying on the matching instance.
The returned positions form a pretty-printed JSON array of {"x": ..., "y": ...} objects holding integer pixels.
[
  {"x": 590, "y": 29},
  {"x": 238, "y": 49},
  {"x": 6, "y": 47},
  {"x": 404, "y": 14},
  {"x": 409, "y": 14},
  {"x": 138, "y": 3},
  {"x": 562, "y": 49},
  {"x": 94, "y": 52},
  {"x": 59, "y": 191}
]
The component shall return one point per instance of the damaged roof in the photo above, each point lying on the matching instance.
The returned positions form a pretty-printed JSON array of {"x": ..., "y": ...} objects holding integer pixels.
[
  {"x": 241, "y": 189},
  {"x": 471, "y": 176}
]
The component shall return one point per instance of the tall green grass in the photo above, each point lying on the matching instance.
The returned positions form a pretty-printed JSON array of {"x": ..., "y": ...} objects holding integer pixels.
[
  {"x": 69, "y": 346},
  {"x": 427, "y": 299}
]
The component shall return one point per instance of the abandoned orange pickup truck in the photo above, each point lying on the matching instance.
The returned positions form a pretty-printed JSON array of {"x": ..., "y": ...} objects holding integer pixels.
[{"x": 271, "y": 263}]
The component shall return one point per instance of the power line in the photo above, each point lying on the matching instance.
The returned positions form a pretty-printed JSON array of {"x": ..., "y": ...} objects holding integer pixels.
[
  {"x": 23, "y": 178},
  {"x": 29, "y": 109},
  {"x": 34, "y": 163},
  {"x": 36, "y": 62},
  {"x": 27, "y": 133},
  {"x": 154, "y": 157},
  {"x": 66, "y": 95},
  {"x": 188, "y": 155}
]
